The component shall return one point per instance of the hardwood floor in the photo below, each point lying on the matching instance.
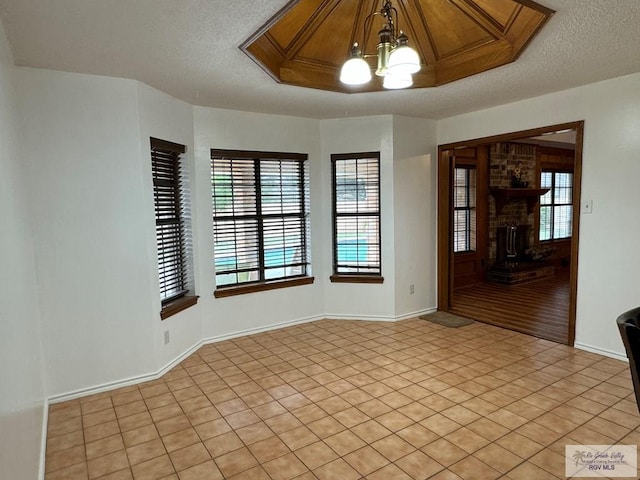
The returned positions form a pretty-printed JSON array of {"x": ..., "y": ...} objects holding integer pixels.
[{"x": 540, "y": 308}]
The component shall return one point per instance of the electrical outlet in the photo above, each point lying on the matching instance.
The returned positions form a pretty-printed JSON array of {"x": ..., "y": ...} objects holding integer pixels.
[
  {"x": 587, "y": 206},
  {"x": 412, "y": 289},
  {"x": 166, "y": 337}
]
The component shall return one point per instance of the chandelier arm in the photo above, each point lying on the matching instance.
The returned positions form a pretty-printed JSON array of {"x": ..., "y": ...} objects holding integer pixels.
[{"x": 366, "y": 29}]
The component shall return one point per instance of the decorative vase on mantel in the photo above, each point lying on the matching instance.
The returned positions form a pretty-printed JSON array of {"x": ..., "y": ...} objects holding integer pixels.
[
  {"x": 518, "y": 183},
  {"x": 518, "y": 177}
]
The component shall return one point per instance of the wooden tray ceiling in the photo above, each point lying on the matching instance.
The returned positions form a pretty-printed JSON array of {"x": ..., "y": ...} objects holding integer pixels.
[{"x": 306, "y": 43}]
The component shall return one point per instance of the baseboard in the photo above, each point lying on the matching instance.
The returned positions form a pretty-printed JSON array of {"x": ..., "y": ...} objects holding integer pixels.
[
  {"x": 43, "y": 440},
  {"x": 426, "y": 311},
  {"x": 362, "y": 318},
  {"x": 105, "y": 387},
  {"x": 381, "y": 318},
  {"x": 601, "y": 351},
  {"x": 177, "y": 360},
  {"x": 252, "y": 331}
]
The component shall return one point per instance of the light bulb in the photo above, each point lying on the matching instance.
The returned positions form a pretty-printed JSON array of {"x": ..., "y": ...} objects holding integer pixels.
[
  {"x": 403, "y": 58},
  {"x": 396, "y": 81},
  {"x": 356, "y": 70}
]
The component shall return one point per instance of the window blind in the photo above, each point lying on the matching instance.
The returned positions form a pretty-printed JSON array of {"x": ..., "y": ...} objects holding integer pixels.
[
  {"x": 356, "y": 214},
  {"x": 464, "y": 209},
  {"x": 556, "y": 206},
  {"x": 170, "y": 231},
  {"x": 260, "y": 216}
]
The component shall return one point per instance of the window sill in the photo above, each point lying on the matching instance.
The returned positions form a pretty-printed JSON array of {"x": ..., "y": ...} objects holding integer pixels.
[
  {"x": 356, "y": 279},
  {"x": 177, "y": 305},
  {"x": 462, "y": 253},
  {"x": 261, "y": 287},
  {"x": 556, "y": 240}
]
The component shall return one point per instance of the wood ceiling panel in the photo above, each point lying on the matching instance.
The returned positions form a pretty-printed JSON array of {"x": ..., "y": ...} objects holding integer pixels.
[
  {"x": 326, "y": 40},
  {"x": 452, "y": 30},
  {"x": 499, "y": 10},
  {"x": 293, "y": 22},
  {"x": 306, "y": 43}
]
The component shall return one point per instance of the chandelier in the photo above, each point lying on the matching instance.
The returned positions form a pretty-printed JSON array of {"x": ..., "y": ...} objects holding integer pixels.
[{"x": 397, "y": 61}]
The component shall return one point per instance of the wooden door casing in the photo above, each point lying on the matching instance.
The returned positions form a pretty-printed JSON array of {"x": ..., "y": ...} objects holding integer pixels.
[{"x": 445, "y": 228}]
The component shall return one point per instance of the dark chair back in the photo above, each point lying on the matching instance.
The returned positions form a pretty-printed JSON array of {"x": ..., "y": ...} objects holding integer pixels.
[{"x": 629, "y": 326}]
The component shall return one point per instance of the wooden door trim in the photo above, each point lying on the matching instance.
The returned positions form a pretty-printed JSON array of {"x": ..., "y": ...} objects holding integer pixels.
[
  {"x": 575, "y": 234},
  {"x": 482, "y": 211},
  {"x": 444, "y": 235}
]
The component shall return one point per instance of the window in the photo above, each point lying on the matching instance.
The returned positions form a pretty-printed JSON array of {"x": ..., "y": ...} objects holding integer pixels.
[
  {"x": 173, "y": 235},
  {"x": 356, "y": 217},
  {"x": 464, "y": 209},
  {"x": 556, "y": 207},
  {"x": 260, "y": 217}
]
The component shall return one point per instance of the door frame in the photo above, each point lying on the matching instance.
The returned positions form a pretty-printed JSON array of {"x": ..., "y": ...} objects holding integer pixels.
[
  {"x": 478, "y": 160},
  {"x": 445, "y": 225}
]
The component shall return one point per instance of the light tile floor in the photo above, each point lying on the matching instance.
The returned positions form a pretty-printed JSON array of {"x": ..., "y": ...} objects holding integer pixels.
[{"x": 343, "y": 400}]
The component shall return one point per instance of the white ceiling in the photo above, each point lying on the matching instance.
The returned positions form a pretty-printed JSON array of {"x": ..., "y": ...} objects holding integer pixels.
[{"x": 189, "y": 49}]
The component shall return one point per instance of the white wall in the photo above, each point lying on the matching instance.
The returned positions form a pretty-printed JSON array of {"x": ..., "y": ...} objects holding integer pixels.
[
  {"x": 414, "y": 207},
  {"x": 227, "y": 129},
  {"x": 608, "y": 255},
  {"x": 166, "y": 118},
  {"x": 354, "y": 135},
  {"x": 21, "y": 375},
  {"x": 86, "y": 155},
  {"x": 81, "y": 150}
]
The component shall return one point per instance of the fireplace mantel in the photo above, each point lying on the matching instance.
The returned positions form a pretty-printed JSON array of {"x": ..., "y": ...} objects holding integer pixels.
[{"x": 505, "y": 195}]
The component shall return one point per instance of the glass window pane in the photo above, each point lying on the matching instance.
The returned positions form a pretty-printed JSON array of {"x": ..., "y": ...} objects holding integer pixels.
[
  {"x": 464, "y": 201},
  {"x": 234, "y": 187},
  {"x": 556, "y": 209},
  {"x": 472, "y": 187},
  {"x": 260, "y": 218},
  {"x": 356, "y": 197},
  {"x": 357, "y": 187},
  {"x": 280, "y": 188},
  {"x": 545, "y": 223},
  {"x": 472, "y": 230},
  {"x": 562, "y": 221},
  {"x": 460, "y": 229},
  {"x": 546, "y": 179},
  {"x": 563, "y": 188},
  {"x": 358, "y": 245}
]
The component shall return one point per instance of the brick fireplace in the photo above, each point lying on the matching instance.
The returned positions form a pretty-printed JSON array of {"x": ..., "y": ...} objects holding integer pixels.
[
  {"x": 503, "y": 159},
  {"x": 511, "y": 216}
]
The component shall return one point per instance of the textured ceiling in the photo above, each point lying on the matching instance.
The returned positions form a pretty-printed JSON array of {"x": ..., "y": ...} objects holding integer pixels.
[{"x": 189, "y": 49}]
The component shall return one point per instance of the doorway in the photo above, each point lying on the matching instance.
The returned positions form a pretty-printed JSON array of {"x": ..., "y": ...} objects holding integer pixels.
[{"x": 508, "y": 229}]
